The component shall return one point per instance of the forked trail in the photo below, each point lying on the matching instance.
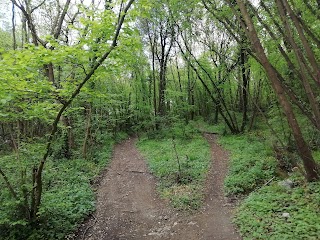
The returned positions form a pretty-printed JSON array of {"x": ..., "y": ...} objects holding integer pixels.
[{"x": 128, "y": 206}]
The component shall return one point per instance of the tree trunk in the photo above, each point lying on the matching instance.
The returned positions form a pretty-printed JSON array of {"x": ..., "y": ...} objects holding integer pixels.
[
  {"x": 245, "y": 74},
  {"x": 14, "y": 28},
  {"x": 310, "y": 54},
  {"x": 301, "y": 60},
  {"x": 162, "y": 89},
  {"x": 87, "y": 132},
  {"x": 191, "y": 113},
  {"x": 310, "y": 165}
]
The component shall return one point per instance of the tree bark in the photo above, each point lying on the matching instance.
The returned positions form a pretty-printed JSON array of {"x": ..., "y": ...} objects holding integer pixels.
[{"x": 14, "y": 28}]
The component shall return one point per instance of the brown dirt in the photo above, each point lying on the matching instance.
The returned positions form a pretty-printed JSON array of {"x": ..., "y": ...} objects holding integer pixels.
[{"x": 128, "y": 206}]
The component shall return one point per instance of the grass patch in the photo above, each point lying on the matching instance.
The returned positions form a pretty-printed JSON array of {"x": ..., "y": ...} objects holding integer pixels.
[
  {"x": 252, "y": 163},
  {"x": 184, "y": 191},
  {"x": 316, "y": 155}
]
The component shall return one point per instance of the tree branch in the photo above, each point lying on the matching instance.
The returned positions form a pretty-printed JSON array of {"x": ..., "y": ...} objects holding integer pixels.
[
  {"x": 6, "y": 180},
  {"x": 60, "y": 22},
  {"x": 36, "y": 7}
]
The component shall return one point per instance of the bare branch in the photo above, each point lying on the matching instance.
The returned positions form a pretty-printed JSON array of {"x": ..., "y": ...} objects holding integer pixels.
[
  {"x": 36, "y": 39},
  {"x": 60, "y": 22},
  {"x": 36, "y": 7}
]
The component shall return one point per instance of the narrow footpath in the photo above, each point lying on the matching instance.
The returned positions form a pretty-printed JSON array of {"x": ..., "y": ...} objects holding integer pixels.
[{"x": 129, "y": 208}]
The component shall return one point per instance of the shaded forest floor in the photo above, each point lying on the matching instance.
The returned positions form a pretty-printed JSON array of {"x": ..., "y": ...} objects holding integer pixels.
[{"x": 129, "y": 207}]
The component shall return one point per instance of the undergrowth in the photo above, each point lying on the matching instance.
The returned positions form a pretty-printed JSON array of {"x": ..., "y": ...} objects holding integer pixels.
[
  {"x": 251, "y": 163},
  {"x": 67, "y": 198},
  {"x": 274, "y": 212},
  {"x": 179, "y": 157}
]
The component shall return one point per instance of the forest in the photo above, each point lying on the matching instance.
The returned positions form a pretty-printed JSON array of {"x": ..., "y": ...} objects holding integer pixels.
[{"x": 79, "y": 77}]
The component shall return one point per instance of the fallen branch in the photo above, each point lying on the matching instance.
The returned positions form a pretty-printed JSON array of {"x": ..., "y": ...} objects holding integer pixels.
[
  {"x": 267, "y": 183},
  {"x": 133, "y": 171}
]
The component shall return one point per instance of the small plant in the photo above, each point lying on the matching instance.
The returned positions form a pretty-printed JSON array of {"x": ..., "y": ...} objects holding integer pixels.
[{"x": 179, "y": 172}]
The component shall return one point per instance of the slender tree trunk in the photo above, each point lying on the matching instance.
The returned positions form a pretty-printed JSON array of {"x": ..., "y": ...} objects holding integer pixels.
[
  {"x": 162, "y": 88},
  {"x": 87, "y": 132},
  {"x": 255, "y": 100},
  {"x": 310, "y": 166},
  {"x": 154, "y": 77},
  {"x": 14, "y": 28},
  {"x": 310, "y": 54},
  {"x": 300, "y": 59},
  {"x": 191, "y": 113},
  {"x": 24, "y": 31},
  {"x": 219, "y": 101},
  {"x": 245, "y": 73},
  {"x": 293, "y": 97}
]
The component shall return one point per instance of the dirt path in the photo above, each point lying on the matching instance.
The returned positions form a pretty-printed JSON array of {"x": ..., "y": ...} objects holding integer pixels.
[{"x": 128, "y": 206}]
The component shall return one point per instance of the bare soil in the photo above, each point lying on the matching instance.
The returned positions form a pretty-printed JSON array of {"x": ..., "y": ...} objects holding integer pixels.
[{"x": 129, "y": 207}]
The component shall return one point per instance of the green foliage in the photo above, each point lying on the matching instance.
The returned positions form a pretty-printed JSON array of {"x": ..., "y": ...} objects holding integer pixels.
[
  {"x": 194, "y": 158},
  {"x": 260, "y": 216},
  {"x": 204, "y": 126},
  {"x": 68, "y": 197},
  {"x": 252, "y": 163},
  {"x": 5, "y": 40},
  {"x": 316, "y": 156}
]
